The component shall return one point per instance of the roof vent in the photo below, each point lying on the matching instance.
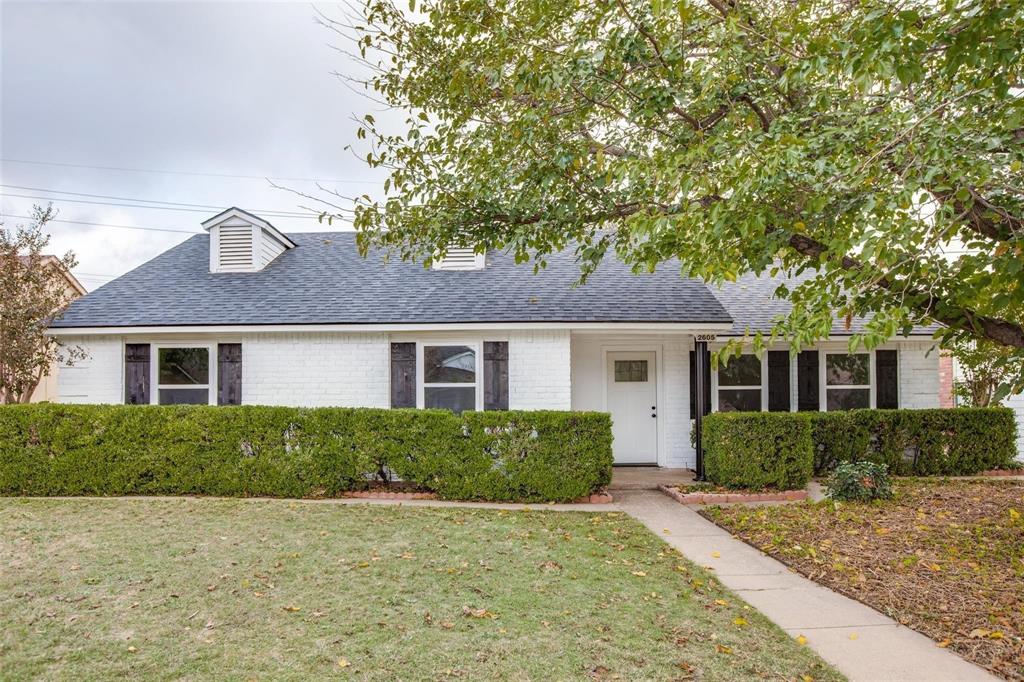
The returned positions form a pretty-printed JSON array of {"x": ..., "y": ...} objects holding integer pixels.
[
  {"x": 243, "y": 242},
  {"x": 460, "y": 258}
]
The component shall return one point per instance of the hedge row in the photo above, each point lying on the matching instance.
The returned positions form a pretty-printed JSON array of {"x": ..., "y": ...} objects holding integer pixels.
[
  {"x": 300, "y": 452},
  {"x": 784, "y": 449}
]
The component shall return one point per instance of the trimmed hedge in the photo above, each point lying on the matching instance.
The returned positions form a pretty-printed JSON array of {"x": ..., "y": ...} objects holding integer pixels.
[
  {"x": 769, "y": 449},
  {"x": 300, "y": 452},
  {"x": 758, "y": 450},
  {"x": 930, "y": 442}
]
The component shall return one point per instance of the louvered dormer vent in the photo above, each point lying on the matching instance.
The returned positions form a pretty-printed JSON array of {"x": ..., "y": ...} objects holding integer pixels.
[
  {"x": 243, "y": 242},
  {"x": 460, "y": 258}
]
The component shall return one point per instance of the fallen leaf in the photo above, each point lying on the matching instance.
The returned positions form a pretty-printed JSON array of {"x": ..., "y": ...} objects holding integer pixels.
[
  {"x": 640, "y": 574},
  {"x": 343, "y": 663},
  {"x": 943, "y": 644},
  {"x": 979, "y": 632},
  {"x": 447, "y": 625},
  {"x": 132, "y": 650},
  {"x": 801, "y": 640},
  {"x": 853, "y": 635},
  {"x": 716, "y": 554},
  {"x": 722, "y": 649},
  {"x": 721, "y": 602},
  {"x": 806, "y": 678},
  {"x": 739, "y": 620},
  {"x": 291, "y": 609}
]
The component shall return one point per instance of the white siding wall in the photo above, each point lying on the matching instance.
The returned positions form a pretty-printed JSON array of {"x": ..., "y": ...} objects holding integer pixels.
[
  {"x": 919, "y": 375},
  {"x": 1017, "y": 403},
  {"x": 99, "y": 378},
  {"x": 316, "y": 369},
  {"x": 539, "y": 375}
]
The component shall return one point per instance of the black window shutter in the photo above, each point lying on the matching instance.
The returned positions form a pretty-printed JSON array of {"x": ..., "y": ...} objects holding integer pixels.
[
  {"x": 778, "y": 381},
  {"x": 495, "y": 375},
  {"x": 229, "y": 374},
  {"x": 693, "y": 384},
  {"x": 807, "y": 381},
  {"x": 886, "y": 379},
  {"x": 136, "y": 373},
  {"x": 403, "y": 375}
]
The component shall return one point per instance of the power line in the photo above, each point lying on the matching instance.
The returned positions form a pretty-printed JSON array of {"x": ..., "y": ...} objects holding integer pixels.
[
  {"x": 91, "y": 195},
  {"x": 268, "y": 213},
  {"x": 174, "y": 172},
  {"x": 122, "y": 227}
]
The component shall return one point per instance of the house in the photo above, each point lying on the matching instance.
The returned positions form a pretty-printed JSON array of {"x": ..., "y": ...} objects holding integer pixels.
[
  {"x": 46, "y": 389},
  {"x": 246, "y": 314}
]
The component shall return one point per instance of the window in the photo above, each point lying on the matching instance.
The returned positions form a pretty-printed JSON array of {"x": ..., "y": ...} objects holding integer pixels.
[
  {"x": 847, "y": 381},
  {"x": 183, "y": 376},
  {"x": 630, "y": 370},
  {"x": 739, "y": 385},
  {"x": 450, "y": 377}
]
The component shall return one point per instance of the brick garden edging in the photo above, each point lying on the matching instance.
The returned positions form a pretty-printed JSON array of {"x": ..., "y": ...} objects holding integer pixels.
[
  {"x": 724, "y": 498},
  {"x": 596, "y": 498}
]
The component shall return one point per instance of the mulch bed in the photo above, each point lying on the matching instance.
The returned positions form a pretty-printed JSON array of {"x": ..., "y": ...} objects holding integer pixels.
[{"x": 945, "y": 558}]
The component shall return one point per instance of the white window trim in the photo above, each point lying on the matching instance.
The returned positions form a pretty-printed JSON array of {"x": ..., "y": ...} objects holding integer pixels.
[
  {"x": 763, "y": 387},
  {"x": 154, "y": 371},
  {"x": 477, "y": 347},
  {"x": 823, "y": 386}
]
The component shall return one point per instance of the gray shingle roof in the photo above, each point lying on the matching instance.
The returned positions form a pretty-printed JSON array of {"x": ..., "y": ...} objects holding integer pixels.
[
  {"x": 751, "y": 302},
  {"x": 325, "y": 281}
]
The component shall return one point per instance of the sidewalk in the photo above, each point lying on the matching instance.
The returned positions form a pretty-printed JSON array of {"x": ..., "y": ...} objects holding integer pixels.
[{"x": 882, "y": 650}]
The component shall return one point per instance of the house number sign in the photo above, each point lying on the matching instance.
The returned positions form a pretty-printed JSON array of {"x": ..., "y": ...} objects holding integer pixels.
[{"x": 706, "y": 337}]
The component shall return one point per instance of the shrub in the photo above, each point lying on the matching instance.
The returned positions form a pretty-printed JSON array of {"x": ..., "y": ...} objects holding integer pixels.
[
  {"x": 859, "y": 482},
  {"x": 300, "y": 452},
  {"x": 758, "y": 450},
  {"x": 947, "y": 442}
]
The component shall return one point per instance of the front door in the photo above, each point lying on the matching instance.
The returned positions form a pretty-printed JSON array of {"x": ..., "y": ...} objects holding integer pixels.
[{"x": 632, "y": 401}]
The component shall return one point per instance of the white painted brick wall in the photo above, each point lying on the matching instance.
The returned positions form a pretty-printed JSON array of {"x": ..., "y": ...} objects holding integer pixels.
[
  {"x": 316, "y": 369},
  {"x": 919, "y": 376},
  {"x": 539, "y": 376},
  {"x": 99, "y": 377}
]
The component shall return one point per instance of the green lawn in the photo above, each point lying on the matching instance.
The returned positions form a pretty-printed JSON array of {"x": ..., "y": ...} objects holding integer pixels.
[{"x": 256, "y": 589}]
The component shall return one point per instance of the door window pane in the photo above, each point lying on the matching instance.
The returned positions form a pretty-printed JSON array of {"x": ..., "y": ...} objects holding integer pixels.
[
  {"x": 742, "y": 371},
  {"x": 455, "y": 398},
  {"x": 184, "y": 366},
  {"x": 739, "y": 400},
  {"x": 184, "y": 396},
  {"x": 630, "y": 370},
  {"x": 449, "y": 365},
  {"x": 847, "y": 370},
  {"x": 848, "y": 398}
]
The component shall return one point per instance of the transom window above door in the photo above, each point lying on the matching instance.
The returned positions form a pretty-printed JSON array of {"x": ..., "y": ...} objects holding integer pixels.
[
  {"x": 739, "y": 385},
  {"x": 183, "y": 376},
  {"x": 847, "y": 381},
  {"x": 450, "y": 377}
]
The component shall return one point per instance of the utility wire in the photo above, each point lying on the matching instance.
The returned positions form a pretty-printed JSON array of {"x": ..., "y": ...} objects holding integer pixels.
[
  {"x": 147, "y": 201},
  {"x": 268, "y": 213},
  {"x": 173, "y": 172}
]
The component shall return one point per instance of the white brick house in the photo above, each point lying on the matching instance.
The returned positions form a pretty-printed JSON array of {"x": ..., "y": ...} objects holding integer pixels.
[{"x": 251, "y": 316}]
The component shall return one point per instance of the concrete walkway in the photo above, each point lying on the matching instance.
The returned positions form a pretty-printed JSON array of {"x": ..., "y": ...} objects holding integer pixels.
[{"x": 880, "y": 649}]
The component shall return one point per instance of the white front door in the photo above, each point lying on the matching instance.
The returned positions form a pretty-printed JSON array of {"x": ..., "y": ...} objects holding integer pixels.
[{"x": 632, "y": 401}]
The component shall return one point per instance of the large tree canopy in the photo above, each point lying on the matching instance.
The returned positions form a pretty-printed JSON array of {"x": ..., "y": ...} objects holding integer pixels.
[{"x": 880, "y": 143}]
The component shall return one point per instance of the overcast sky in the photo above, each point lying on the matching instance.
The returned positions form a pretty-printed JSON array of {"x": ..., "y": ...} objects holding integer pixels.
[{"x": 217, "y": 88}]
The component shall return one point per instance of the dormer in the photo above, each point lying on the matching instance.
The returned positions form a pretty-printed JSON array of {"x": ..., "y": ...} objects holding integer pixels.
[
  {"x": 460, "y": 258},
  {"x": 243, "y": 242}
]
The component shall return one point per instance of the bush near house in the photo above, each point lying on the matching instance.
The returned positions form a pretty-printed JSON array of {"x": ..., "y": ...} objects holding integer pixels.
[
  {"x": 300, "y": 452},
  {"x": 944, "y": 442},
  {"x": 758, "y": 450},
  {"x": 773, "y": 449}
]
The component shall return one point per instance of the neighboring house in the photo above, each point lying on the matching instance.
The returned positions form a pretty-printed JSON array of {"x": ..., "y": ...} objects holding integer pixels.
[
  {"x": 250, "y": 315},
  {"x": 47, "y": 389}
]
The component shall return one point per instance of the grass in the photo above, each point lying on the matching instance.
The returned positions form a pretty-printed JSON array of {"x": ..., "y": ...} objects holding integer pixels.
[
  {"x": 944, "y": 557},
  {"x": 258, "y": 589}
]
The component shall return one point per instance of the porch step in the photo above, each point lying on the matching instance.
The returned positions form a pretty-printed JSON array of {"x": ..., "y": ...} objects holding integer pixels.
[{"x": 648, "y": 478}]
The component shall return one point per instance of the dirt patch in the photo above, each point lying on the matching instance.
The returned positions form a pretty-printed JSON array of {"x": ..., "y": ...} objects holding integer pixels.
[{"x": 944, "y": 557}]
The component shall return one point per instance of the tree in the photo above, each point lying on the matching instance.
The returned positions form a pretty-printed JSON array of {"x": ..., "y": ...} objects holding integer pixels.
[
  {"x": 988, "y": 373},
  {"x": 863, "y": 140},
  {"x": 33, "y": 292}
]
